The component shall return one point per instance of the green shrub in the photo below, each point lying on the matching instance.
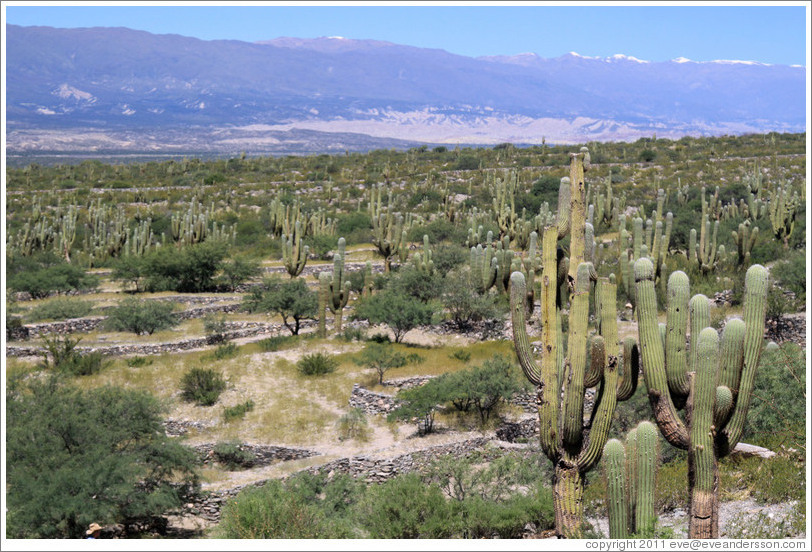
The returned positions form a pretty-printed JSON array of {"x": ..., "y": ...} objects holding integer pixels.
[
  {"x": 273, "y": 512},
  {"x": 791, "y": 274},
  {"x": 141, "y": 316},
  {"x": 138, "y": 361},
  {"x": 352, "y": 333},
  {"x": 317, "y": 364},
  {"x": 202, "y": 386},
  {"x": 276, "y": 343},
  {"x": 227, "y": 350},
  {"x": 396, "y": 309},
  {"x": 353, "y": 425},
  {"x": 65, "y": 358},
  {"x": 231, "y": 413},
  {"x": 58, "y": 278},
  {"x": 190, "y": 269},
  {"x": 232, "y": 456},
  {"x": 215, "y": 327},
  {"x": 60, "y": 308},
  {"x": 76, "y": 456},
  {"x": 381, "y": 358},
  {"x": 461, "y": 354},
  {"x": 406, "y": 508}
]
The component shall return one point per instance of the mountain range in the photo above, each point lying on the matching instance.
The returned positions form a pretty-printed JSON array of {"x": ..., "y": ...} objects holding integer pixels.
[{"x": 117, "y": 89}]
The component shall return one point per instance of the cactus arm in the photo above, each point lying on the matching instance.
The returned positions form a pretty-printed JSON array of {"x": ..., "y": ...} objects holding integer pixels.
[
  {"x": 596, "y": 360},
  {"x": 702, "y": 465},
  {"x": 630, "y": 369},
  {"x": 653, "y": 357},
  {"x": 523, "y": 349},
  {"x": 563, "y": 221},
  {"x": 676, "y": 361},
  {"x": 606, "y": 400},
  {"x": 631, "y": 477},
  {"x": 731, "y": 355},
  {"x": 755, "y": 305},
  {"x": 646, "y": 516},
  {"x": 575, "y": 364},
  {"x": 699, "y": 309},
  {"x": 615, "y": 458}
]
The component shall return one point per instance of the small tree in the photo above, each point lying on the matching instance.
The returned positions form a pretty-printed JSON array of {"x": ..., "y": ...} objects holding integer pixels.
[
  {"x": 464, "y": 305},
  {"x": 130, "y": 269},
  {"x": 292, "y": 300},
  {"x": 420, "y": 403},
  {"x": 380, "y": 357},
  {"x": 239, "y": 270},
  {"x": 191, "y": 269},
  {"x": 76, "y": 456},
  {"x": 141, "y": 316},
  {"x": 395, "y": 309},
  {"x": 483, "y": 387}
]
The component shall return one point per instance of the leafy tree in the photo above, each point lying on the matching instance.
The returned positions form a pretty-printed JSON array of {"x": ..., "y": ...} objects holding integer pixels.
[
  {"x": 43, "y": 274},
  {"x": 406, "y": 508},
  {"x": 141, "y": 316},
  {"x": 190, "y": 269},
  {"x": 424, "y": 287},
  {"x": 239, "y": 270},
  {"x": 464, "y": 305},
  {"x": 395, "y": 309},
  {"x": 421, "y": 403},
  {"x": 67, "y": 359},
  {"x": 380, "y": 357},
  {"x": 482, "y": 387},
  {"x": 76, "y": 456},
  {"x": 290, "y": 299},
  {"x": 130, "y": 269}
]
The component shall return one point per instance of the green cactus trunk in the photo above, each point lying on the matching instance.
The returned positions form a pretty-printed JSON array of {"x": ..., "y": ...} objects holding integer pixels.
[{"x": 568, "y": 501}]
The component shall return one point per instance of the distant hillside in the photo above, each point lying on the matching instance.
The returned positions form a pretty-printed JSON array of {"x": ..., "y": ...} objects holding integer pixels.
[{"x": 137, "y": 90}]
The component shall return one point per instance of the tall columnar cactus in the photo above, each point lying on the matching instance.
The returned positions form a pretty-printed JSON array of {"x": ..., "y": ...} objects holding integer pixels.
[
  {"x": 389, "y": 236},
  {"x": 713, "y": 379},
  {"x": 783, "y": 210},
  {"x": 744, "y": 239},
  {"x": 503, "y": 191},
  {"x": 422, "y": 261},
  {"x": 334, "y": 291},
  {"x": 573, "y": 445},
  {"x": 294, "y": 252},
  {"x": 483, "y": 267},
  {"x": 630, "y": 477}
]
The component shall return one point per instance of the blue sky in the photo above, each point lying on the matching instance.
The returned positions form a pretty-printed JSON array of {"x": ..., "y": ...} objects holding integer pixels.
[{"x": 769, "y": 34}]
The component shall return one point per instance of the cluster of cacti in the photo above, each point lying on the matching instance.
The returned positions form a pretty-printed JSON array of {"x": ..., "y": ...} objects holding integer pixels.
[
  {"x": 294, "y": 251},
  {"x": 707, "y": 255},
  {"x": 573, "y": 445},
  {"x": 744, "y": 239},
  {"x": 630, "y": 482},
  {"x": 334, "y": 291},
  {"x": 604, "y": 202},
  {"x": 389, "y": 237},
  {"x": 283, "y": 219},
  {"x": 422, "y": 260},
  {"x": 784, "y": 204},
  {"x": 712, "y": 379},
  {"x": 756, "y": 206},
  {"x": 503, "y": 191},
  {"x": 484, "y": 265}
]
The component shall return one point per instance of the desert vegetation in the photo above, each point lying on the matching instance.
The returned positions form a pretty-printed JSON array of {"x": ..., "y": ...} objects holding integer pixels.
[{"x": 518, "y": 339}]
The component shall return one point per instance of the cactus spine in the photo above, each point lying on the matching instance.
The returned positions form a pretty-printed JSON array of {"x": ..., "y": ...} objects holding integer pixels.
[
  {"x": 718, "y": 379},
  {"x": 630, "y": 477}
]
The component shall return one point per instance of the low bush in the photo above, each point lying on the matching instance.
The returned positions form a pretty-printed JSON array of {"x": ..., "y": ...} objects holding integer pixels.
[
  {"x": 276, "y": 343},
  {"x": 202, "y": 386},
  {"x": 353, "y": 425},
  {"x": 237, "y": 412},
  {"x": 65, "y": 358},
  {"x": 317, "y": 364},
  {"x": 232, "y": 456},
  {"x": 138, "y": 361},
  {"x": 227, "y": 350},
  {"x": 60, "y": 308},
  {"x": 141, "y": 316}
]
